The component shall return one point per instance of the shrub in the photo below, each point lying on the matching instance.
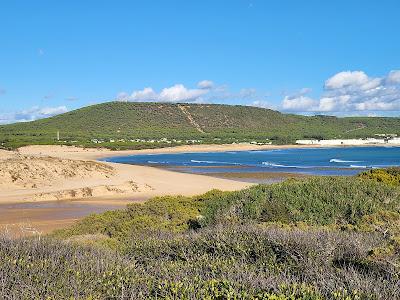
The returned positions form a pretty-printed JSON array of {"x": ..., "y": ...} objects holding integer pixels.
[
  {"x": 245, "y": 262},
  {"x": 389, "y": 176},
  {"x": 314, "y": 201}
]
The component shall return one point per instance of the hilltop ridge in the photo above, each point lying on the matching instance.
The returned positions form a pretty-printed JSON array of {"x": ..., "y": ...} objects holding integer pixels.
[{"x": 139, "y": 125}]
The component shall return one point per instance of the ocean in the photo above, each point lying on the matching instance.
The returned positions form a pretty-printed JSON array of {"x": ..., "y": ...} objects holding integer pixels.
[{"x": 309, "y": 161}]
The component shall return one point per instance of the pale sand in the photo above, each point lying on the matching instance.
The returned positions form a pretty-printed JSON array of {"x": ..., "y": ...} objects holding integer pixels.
[
  {"x": 93, "y": 153},
  {"x": 38, "y": 176},
  {"x": 32, "y": 178},
  {"x": 46, "y": 173}
]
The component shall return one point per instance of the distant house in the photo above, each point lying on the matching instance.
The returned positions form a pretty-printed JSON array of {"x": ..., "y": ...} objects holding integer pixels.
[{"x": 350, "y": 142}]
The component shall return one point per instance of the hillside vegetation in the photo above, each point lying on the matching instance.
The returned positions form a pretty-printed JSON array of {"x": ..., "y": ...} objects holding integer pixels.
[
  {"x": 124, "y": 123},
  {"x": 314, "y": 238}
]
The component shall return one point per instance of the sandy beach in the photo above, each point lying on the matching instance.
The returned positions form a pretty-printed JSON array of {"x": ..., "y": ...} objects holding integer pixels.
[
  {"x": 46, "y": 173},
  {"x": 97, "y": 153},
  {"x": 47, "y": 187}
]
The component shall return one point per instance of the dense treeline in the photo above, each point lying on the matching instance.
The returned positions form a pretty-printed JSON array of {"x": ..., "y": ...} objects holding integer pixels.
[
  {"x": 313, "y": 238},
  {"x": 217, "y": 123}
]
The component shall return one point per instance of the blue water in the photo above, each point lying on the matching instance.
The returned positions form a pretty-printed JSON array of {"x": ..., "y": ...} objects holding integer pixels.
[{"x": 312, "y": 161}]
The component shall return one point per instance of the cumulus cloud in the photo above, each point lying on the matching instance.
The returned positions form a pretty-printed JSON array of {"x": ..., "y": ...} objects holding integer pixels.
[
  {"x": 351, "y": 91},
  {"x": 147, "y": 94},
  {"x": 31, "y": 114},
  {"x": 393, "y": 77},
  {"x": 347, "y": 79},
  {"x": 298, "y": 101},
  {"x": 205, "y": 84},
  {"x": 178, "y": 93},
  {"x": 206, "y": 92},
  {"x": 175, "y": 93},
  {"x": 302, "y": 103}
]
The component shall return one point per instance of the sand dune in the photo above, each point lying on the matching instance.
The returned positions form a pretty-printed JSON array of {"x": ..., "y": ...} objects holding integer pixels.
[
  {"x": 32, "y": 172},
  {"x": 49, "y": 187},
  {"x": 48, "y": 173}
]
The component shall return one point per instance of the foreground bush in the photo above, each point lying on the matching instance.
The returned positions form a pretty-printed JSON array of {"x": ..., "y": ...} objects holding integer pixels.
[
  {"x": 319, "y": 238},
  {"x": 315, "y": 201},
  {"x": 389, "y": 176},
  {"x": 318, "y": 201},
  {"x": 246, "y": 262}
]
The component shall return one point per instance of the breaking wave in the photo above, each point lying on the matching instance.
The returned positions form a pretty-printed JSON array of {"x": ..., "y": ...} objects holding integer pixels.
[
  {"x": 359, "y": 167},
  {"x": 157, "y": 162},
  {"x": 337, "y": 160},
  {"x": 274, "y": 165},
  {"x": 213, "y": 162}
]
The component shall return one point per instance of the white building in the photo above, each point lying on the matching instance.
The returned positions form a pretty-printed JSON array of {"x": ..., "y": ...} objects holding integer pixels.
[{"x": 350, "y": 142}]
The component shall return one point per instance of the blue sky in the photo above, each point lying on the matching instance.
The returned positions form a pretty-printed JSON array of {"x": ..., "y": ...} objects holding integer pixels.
[{"x": 330, "y": 57}]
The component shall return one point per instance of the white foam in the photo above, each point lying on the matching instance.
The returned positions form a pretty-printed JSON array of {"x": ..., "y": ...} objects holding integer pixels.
[
  {"x": 157, "y": 162},
  {"x": 358, "y": 167},
  {"x": 337, "y": 160},
  {"x": 213, "y": 162},
  {"x": 274, "y": 165}
]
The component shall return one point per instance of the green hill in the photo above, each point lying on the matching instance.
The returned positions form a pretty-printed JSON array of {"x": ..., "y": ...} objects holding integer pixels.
[{"x": 124, "y": 123}]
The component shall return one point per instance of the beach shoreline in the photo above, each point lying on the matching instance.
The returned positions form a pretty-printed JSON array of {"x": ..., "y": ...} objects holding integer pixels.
[
  {"x": 74, "y": 152},
  {"x": 124, "y": 184},
  {"x": 35, "y": 197}
]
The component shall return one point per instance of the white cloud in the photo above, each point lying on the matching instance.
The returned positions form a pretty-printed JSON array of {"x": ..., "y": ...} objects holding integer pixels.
[
  {"x": 123, "y": 96},
  {"x": 175, "y": 93},
  {"x": 393, "y": 77},
  {"x": 205, "y": 84},
  {"x": 179, "y": 93},
  {"x": 147, "y": 94},
  {"x": 351, "y": 92},
  {"x": 301, "y": 103},
  {"x": 206, "y": 92},
  {"x": 344, "y": 79},
  {"x": 31, "y": 114}
]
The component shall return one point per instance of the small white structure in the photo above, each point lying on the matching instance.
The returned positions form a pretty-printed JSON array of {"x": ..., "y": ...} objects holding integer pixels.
[{"x": 350, "y": 142}]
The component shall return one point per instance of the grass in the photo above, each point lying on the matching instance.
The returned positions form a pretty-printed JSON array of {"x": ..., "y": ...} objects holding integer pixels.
[
  {"x": 313, "y": 238},
  {"x": 220, "y": 124}
]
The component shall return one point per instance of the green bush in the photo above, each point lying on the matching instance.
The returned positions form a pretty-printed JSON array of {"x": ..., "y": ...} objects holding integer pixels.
[
  {"x": 245, "y": 262},
  {"x": 389, "y": 176},
  {"x": 315, "y": 201},
  {"x": 317, "y": 238}
]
